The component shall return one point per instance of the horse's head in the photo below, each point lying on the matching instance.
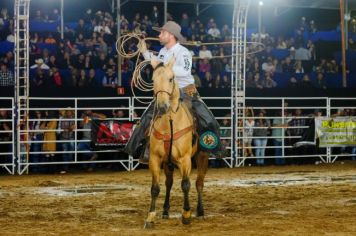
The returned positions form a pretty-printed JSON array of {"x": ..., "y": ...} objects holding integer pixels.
[{"x": 166, "y": 89}]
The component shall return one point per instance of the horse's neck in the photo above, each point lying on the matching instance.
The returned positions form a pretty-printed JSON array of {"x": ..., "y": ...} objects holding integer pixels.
[{"x": 179, "y": 116}]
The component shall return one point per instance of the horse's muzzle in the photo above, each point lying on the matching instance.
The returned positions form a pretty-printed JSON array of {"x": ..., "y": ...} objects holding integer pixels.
[{"x": 163, "y": 108}]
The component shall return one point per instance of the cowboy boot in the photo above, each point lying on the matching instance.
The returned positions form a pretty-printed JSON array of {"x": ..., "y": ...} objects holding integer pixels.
[{"x": 145, "y": 155}]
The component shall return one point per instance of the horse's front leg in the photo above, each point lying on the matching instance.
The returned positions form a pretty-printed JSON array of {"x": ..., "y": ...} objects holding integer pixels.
[
  {"x": 185, "y": 169},
  {"x": 169, "y": 183},
  {"x": 155, "y": 168}
]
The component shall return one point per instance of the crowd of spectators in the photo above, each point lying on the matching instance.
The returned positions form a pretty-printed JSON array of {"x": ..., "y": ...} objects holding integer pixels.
[{"x": 86, "y": 56}]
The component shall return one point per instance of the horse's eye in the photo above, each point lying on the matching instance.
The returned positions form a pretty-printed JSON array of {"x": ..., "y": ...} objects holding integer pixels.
[{"x": 170, "y": 80}]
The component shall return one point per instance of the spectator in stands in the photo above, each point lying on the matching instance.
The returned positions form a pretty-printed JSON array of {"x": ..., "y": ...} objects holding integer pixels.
[
  {"x": 268, "y": 81},
  {"x": 278, "y": 125},
  {"x": 79, "y": 63},
  {"x": 55, "y": 15},
  {"x": 320, "y": 82},
  {"x": 197, "y": 80},
  {"x": 49, "y": 126},
  {"x": 82, "y": 79},
  {"x": 312, "y": 27},
  {"x": 225, "y": 83},
  {"x": 288, "y": 66},
  {"x": 302, "y": 53},
  {"x": 55, "y": 77},
  {"x": 225, "y": 32},
  {"x": 40, "y": 78},
  {"x": 52, "y": 62},
  {"x": 205, "y": 53},
  {"x": 110, "y": 79},
  {"x": 88, "y": 64},
  {"x": 214, "y": 32},
  {"x": 208, "y": 80},
  {"x": 332, "y": 67},
  {"x": 36, "y": 136},
  {"x": 155, "y": 16},
  {"x": 73, "y": 78},
  {"x": 249, "y": 125},
  {"x": 217, "y": 81},
  {"x": 295, "y": 125},
  {"x": 293, "y": 83},
  {"x": 299, "y": 67},
  {"x": 67, "y": 127},
  {"x": 281, "y": 44},
  {"x": 306, "y": 82},
  {"x": 204, "y": 66},
  {"x": 50, "y": 39},
  {"x": 6, "y": 76},
  {"x": 268, "y": 66},
  {"x": 11, "y": 37},
  {"x": 184, "y": 22},
  {"x": 38, "y": 16},
  {"x": 84, "y": 145},
  {"x": 92, "y": 81},
  {"x": 257, "y": 82},
  {"x": 260, "y": 133}
]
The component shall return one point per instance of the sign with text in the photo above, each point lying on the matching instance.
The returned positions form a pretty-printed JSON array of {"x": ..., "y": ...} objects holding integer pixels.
[
  {"x": 111, "y": 133},
  {"x": 336, "y": 131}
]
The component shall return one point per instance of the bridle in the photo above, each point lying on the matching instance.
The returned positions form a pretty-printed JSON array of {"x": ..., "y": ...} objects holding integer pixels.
[{"x": 171, "y": 80}]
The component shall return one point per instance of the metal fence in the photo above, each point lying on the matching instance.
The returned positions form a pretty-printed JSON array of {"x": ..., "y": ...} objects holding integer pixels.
[
  {"x": 7, "y": 135},
  {"x": 287, "y": 120}
]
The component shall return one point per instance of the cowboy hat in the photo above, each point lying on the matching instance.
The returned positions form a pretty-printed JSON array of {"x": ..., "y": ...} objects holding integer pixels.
[
  {"x": 173, "y": 28},
  {"x": 39, "y": 61}
]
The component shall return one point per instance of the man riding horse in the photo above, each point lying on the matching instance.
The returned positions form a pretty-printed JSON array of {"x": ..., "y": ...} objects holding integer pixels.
[{"x": 207, "y": 126}]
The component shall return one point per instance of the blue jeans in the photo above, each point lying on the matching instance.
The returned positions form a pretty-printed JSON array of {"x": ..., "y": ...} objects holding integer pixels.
[
  {"x": 353, "y": 152},
  {"x": 278, "y": 152},
  {"x": 36, "y": 158},
  {"x": 67, "y": 147},
  {"x": 260, "y": 144},
  {"x": 85, "y": 146}
]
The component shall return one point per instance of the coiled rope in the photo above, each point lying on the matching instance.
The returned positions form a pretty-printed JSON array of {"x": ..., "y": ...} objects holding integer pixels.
[{"x": 137, "y": 80}]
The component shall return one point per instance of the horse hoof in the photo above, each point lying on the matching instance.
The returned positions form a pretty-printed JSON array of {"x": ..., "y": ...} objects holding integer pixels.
[
  {"x": 186, "y": 221},
  {"x": 200, "y": 217},
  {"x": 165, "y": 216},
  {"x": 200, "y": 214},
  {"x": 148, "y": 225}
]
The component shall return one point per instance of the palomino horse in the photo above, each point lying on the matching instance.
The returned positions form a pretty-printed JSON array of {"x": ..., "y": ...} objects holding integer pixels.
[{"x": 171, "y": 143}]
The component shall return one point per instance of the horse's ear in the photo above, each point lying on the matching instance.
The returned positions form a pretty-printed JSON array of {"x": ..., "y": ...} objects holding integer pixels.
[
  {"x": 171, "y": 62},
  {"x": 154, "y": 63}
]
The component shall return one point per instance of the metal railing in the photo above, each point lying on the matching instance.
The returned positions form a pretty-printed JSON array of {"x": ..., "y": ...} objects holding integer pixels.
[
  {"x": 7, "y": 134},
  {"x": 279, "y": 111}
]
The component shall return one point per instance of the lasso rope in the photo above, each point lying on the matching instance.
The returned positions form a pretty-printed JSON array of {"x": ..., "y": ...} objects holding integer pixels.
[{"x": 137, "y": 80}]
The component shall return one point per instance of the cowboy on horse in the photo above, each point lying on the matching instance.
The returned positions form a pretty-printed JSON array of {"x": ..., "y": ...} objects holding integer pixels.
[{"x": 206, "y": 124}]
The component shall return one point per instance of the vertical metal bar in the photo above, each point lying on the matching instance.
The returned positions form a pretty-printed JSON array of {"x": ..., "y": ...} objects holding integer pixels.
[
  {"x": 165, "y": 11},
  {"x": 343, "y": 50},
  {"x": 62, "y": 19},
  {"x": 76, "y": 129},
  {"x": 118, "y": 22}
]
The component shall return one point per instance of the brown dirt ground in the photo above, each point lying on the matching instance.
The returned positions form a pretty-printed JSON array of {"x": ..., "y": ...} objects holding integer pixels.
[{"x": 327, "y": 208}]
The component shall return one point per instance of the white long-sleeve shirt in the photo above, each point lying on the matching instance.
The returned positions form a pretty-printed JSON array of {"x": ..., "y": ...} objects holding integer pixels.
[{"x": 182, "y": 66}]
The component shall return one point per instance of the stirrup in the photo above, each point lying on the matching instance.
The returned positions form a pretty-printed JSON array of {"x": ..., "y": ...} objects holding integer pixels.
[{"x": 145, "y": 156}]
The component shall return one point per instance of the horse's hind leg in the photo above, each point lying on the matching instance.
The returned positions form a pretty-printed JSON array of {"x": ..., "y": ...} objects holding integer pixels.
[
  {"x": 169, "y": 183},
  {"x": 155, "y": 168},
  {"x": 202, "y": 160},
  {"x": 185, "y": 169}
]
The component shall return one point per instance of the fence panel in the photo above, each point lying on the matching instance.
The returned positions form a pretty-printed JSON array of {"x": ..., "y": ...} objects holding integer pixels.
[{"x": 7, "y": 135}]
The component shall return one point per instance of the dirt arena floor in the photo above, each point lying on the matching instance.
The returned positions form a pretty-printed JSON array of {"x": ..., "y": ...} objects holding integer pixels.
[{"x": 292, "y": 200}]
